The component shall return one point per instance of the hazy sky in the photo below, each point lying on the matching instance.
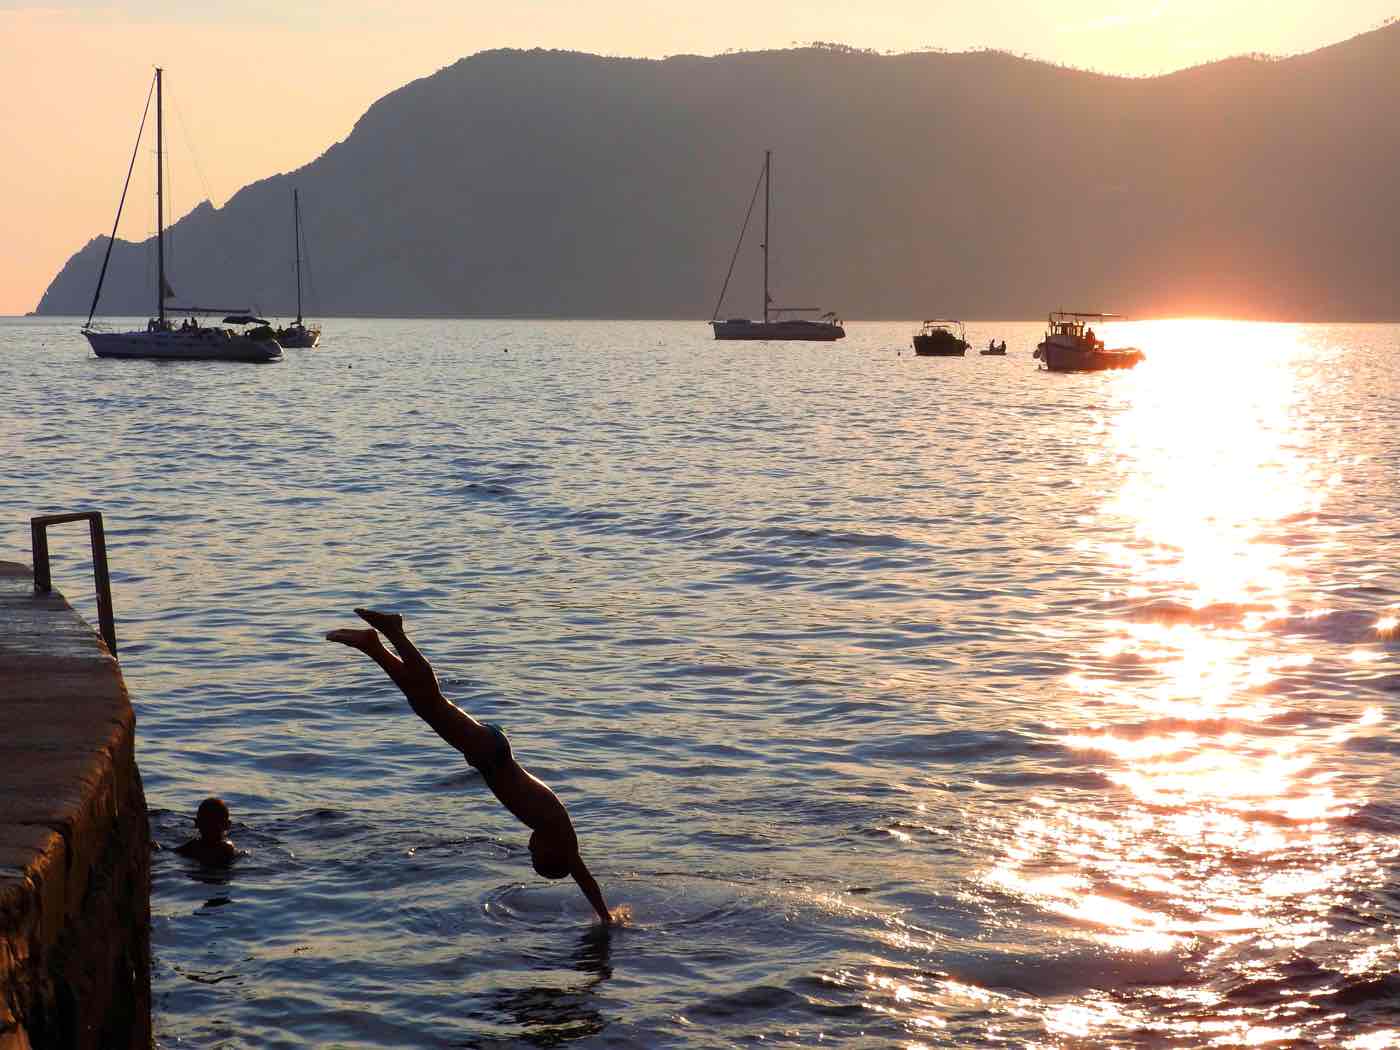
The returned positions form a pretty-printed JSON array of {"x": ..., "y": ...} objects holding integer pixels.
[{"x": 262, "y": 87}]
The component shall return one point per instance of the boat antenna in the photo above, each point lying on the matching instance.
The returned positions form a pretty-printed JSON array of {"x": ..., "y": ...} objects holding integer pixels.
[
  {"x": 106, "y": 258},
  {"x": 767, "y": 207},
  {"x": 160, "y": 208},
  {"x": 742, "y": 230}
]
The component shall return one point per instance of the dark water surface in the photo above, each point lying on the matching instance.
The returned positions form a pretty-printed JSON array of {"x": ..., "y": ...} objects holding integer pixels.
[{"x": 904, "y": 702}]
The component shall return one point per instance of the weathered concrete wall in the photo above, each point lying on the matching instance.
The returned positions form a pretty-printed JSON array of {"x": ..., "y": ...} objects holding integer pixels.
[{"x": 75, "y": 849}]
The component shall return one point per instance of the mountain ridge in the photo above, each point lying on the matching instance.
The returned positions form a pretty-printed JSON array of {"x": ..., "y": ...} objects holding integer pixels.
[{"x": 558, "y": 183}]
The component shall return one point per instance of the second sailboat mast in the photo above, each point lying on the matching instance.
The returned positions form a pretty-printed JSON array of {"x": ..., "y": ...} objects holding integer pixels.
[
  {"x": 296, "y": 232},
  {"x": 160, "y": 207},
  {"x": 767, "y": 206}
]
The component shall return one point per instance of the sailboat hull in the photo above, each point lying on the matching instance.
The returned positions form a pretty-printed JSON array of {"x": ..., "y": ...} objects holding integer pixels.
[
  {"x": 203, "y": 344},
  {"x": 809, "y": 331},
  {"x": 298, "y": 337}
]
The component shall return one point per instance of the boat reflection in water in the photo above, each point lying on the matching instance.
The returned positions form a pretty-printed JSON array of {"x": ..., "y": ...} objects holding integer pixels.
[{"x": 1225, "y": 844}]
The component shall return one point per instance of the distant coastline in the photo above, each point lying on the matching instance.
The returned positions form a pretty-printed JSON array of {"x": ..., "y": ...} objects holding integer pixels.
[
  {"x": 978, "y": 183},
  {"x": 561, "y": 319}
]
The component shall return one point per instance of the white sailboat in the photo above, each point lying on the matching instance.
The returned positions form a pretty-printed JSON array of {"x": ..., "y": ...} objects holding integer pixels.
[
  {"x": 774, "y": 324},
  {"x": 161, "y": 339},
  {"x": 297, "y": 336}
]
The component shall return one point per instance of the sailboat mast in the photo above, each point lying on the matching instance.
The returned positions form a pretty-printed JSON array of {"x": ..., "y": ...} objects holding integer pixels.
[
  {"x": 296, "y": 233},
  {"x": 767, "y": 206},
  {"x": 160, "y": 208}
]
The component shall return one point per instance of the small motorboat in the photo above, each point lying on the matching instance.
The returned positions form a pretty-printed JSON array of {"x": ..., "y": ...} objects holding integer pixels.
[
  {"x": 941, "y": 337},
  {"x": 994, "y": 349},
  {"x": 1070, "y": 345}
]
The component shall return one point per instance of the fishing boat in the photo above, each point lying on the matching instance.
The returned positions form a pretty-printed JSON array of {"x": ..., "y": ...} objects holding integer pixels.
[
  {"x": 1070, "y": 345},
  {"x": 162, "y": 339},
  {"x": 778, "y": 321},
  {"x": 941, "y": 337},
  {"x": 297, "y": 336},
  {"x": 994, "y": 349}
]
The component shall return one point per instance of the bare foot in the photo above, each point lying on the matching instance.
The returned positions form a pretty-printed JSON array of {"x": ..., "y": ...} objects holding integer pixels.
[
  {"x": 363, "y": 640},
  {"x": 389, "y": 623}
]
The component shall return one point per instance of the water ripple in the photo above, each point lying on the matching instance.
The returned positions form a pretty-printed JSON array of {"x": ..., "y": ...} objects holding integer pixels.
[{"x": 900, "y": 702}]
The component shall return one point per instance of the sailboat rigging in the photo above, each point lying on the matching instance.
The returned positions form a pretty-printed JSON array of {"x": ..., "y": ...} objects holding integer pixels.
[
  {"x": 161, "y": 339},
  {"x": 774, "y": 325},
  {"x": 297, "y": 335}
]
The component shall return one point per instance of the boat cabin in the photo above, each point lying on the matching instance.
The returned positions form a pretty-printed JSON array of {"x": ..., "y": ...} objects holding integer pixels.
[
  {"x": 1073, "y": 328},
  {"x": 943, "y": 328}
]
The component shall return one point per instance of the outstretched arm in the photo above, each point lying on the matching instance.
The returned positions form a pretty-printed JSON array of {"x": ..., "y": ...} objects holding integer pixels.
[{"x": 586, "y": 882}]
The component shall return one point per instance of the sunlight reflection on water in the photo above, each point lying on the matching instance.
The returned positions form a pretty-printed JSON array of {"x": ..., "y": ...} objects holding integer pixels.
[{"x": 1232, "y": 831}]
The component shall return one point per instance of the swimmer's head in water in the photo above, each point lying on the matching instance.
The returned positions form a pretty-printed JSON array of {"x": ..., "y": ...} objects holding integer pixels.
[
  {"x": 212, "y": 819},
  {"x": 550, "y": 856}
]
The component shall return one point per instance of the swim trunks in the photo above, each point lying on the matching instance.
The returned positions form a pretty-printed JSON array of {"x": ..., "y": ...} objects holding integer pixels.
[{"x": 499, "y": 755}]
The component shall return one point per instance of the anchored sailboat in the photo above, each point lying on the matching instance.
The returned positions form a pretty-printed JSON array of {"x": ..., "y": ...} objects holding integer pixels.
[
  {"x": 161, "y": 339},
  {"x": 774, "y": 325},
  {"x": 297, "y": 336}
]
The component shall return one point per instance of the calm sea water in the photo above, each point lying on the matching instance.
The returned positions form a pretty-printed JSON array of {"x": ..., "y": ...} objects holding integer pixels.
[{"x": 904, "y": 702}]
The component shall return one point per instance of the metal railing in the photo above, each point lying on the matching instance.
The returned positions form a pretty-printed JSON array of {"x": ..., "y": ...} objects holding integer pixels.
[{"x": 43, "y": 581}]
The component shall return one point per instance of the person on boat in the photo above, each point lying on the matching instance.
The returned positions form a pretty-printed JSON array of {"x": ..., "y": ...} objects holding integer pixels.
[
  {"x": 213, "y": 845},
  {"x": 1002, "y": 350},
  {"x": 553, "y": 844},
  {"x": 1089, "y": 336}
]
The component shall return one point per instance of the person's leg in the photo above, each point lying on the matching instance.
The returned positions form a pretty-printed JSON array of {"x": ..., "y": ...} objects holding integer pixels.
[
  {"x": 367, "y": 641},
  {"x": 390, "y": 625},
  {"x": 415, "y": 677},
  {"x": 415, "y": 669}
]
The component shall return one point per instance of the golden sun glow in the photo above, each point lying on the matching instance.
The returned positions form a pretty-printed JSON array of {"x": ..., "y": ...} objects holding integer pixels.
[{"x": 1225, "y": 823}]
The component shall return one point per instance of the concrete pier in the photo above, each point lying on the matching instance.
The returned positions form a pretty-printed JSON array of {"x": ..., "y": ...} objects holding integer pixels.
[{"x": 75, "y": 848}]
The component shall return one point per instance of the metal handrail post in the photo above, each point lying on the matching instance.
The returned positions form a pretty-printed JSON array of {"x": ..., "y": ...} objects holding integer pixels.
[
  {"x": 43, "y": 578},
  {"x": 39, "y": 541},
  {"x": 106, "y": 620}
]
